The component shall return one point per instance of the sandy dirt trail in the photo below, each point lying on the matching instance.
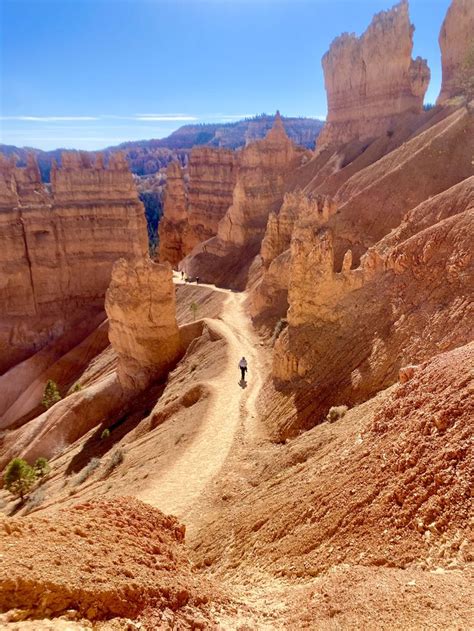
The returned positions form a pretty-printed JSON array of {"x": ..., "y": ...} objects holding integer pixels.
[{"x": 231, "y": 410}]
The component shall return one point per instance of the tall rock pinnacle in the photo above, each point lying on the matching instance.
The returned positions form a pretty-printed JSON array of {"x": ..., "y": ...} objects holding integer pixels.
[
  {"x": 372, "y": 81},
  {"x": 456, "y": 40}
]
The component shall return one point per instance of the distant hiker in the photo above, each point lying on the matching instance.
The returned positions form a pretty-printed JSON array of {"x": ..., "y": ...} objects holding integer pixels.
[
  {"x": 182, "y": 275},
  {"x": 243, "y": 367},
  {"x": 197, "y": 280}
]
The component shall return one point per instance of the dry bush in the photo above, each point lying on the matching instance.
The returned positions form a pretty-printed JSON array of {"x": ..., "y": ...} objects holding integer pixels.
[
  {"x": 87, "y": 471},
  {"x": 336, "y": 412},
  {"x": 116, "y": 459}
]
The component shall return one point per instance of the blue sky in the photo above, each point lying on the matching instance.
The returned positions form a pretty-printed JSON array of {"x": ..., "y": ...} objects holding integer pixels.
[{"x": 91, "y": 73}]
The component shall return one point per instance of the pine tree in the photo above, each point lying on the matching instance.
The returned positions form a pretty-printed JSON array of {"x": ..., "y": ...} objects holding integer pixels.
[
  {"x": 19, "y": 477},
  {"x": 51, "y": 394},
  {"x": 41, "y": 467}
]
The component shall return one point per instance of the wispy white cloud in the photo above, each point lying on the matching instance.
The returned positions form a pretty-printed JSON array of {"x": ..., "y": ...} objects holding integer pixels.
[
  {"x": 49, "y": 119},
  {"x": 164, "y": 117},
  {"x": 134, "y": 117}
]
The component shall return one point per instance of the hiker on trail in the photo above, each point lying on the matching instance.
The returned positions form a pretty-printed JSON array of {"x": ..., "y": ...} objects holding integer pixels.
[
  {"x": 243, "y": 367},
  {"x": 182, "y": 275},
  {"x": 197, "y": 280}
]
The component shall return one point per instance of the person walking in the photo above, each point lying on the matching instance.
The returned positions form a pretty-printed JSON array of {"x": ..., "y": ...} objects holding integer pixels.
[{"x": 243, "y": 367}]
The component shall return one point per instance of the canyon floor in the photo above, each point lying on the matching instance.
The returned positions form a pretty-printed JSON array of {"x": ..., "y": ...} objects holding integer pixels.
[{"x": 260, "y": 555}]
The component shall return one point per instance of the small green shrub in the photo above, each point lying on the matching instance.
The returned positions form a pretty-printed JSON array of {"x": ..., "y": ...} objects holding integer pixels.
[
  {"x": 105, "y": 434},
  {"x": 19, "y": 477},
  {"x": 51, "y": 394},
  {"x": 77, "y": 387},
  {"x": 87, "y": 471},
  {"x": 41, "y": 467},
  {"x": 336, "y": 412}
]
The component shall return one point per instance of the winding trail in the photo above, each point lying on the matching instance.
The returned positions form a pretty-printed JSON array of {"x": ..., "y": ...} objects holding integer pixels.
[{"x": 231, "y": 410}]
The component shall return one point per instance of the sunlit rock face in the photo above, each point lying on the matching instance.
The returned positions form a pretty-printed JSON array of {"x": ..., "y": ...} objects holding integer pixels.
[
  {"x": 351, "y": 331},
  {"x": 173, "y": 224},
  {"x": 269, "y": 296},
  {"x": 58, "y": 245},
  {"x": 456, "y": 40},
  {"x": 141, "y": 308},
  {"x": 263, "y": 168},
  {"x": 212, "y": 177},
  {"x": 371, "y": 81},
  {"x": 195, "y": 202}
]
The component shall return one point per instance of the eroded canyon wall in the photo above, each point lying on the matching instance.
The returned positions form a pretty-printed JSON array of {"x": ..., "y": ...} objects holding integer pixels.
[
  {"x": 58, "y": 245},
  {"x": 371, "y": 81},
  {"x": 195, "y": 202},
  {"x": 350, "y": 332},
  {"x": 262, "y": 171},
  {"x": 367, "y": 261}
]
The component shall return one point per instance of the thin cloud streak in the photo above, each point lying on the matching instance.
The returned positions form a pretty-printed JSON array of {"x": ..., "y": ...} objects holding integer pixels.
[
  {"x": 158, "y": 117},
  {"x": 49, "y": 119}
]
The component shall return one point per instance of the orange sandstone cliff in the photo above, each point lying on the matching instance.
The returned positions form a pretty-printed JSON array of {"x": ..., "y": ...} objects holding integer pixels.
[
  {"x": 262, "y": 172},
  {"x": 57, "y": 246},
  {"x": 368, "y": 260},
  {"x": 195, "y": 202}
]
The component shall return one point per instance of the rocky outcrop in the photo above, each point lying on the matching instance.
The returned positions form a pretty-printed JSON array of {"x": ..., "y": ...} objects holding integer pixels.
[
  {"x": 263, "y": 169},
  {"x": 268, "y": 298},
  {"x": 369, "y": 203},
  {"x": 456, "y": 40},
  {"x": 212, "y": 177},
  {"x": 351, "y": 331},
  {"x": 148, "y": 546},
  {"x": 57, "y": 246},
  {"x": 192, "y": 211},
  {"x": 263, "y": 166},
  {"x": 374, "y": 200},
  {"x": 141, "y": 307},
  {"x": 371, "y": 81},
  {"x": 173, "y": 224},
  {"x": 145, "y": 345},
  {"x": 296, "y": 205}
]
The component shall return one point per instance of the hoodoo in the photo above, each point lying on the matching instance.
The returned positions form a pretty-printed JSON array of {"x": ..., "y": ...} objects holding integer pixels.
[
  {"x": 140, "y": 305},
  {"x": 195, "y": 202},
  {"x": 262, "y": 170},
  {"x": 372, "y": 83},
  {"x": 173, "y": 224}
]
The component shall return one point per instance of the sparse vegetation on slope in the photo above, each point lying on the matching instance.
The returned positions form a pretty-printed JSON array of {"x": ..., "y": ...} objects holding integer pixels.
[{"x": 51, "y": 394}]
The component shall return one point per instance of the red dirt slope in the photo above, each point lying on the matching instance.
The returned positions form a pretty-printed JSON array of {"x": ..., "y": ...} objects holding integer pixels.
[
  {"x": 101, "y": 559},
  {"x": 387, "y": 485}
]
